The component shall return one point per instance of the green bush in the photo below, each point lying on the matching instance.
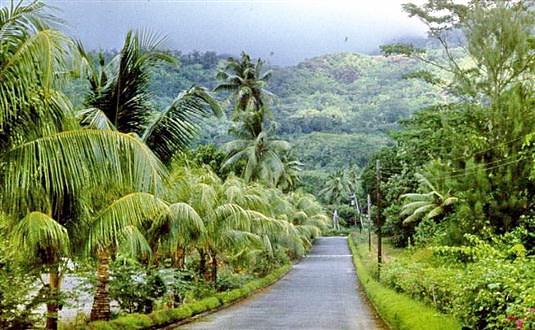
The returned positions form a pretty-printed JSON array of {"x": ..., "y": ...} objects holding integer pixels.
[
  {"x": 204, "y": 305},
  {"x": 196, "y": 307},
  {"x": 133, "y": 287},
  {"x": 162, "y": 317},
  {"x": 227, "y": 280},
  {"x": 211, "y": 302},
  {"x": 181, "y": 312},
  {"x": 132, "y": 321},
  {"x": 486, "y": 285},
  {"x": 101, "y": 325},
  {"x": 230, "y": 296}
]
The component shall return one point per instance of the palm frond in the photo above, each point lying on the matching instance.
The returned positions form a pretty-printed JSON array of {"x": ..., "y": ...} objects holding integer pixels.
[
  {"x": 75, "y": 160},
  {"x": 418, "y": 213},
  {"x": 435, "y": 212},
  {"x": 133, "y": 243},
  {"x": 37, "y": 235},
  {"x": 96, "y": 119},
  {"x": 131, "y": 210},
  {"x": 175, "y": 128}
]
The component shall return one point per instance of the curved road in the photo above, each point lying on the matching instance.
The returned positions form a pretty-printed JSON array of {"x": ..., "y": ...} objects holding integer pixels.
[{"x": 320, "y": 292}]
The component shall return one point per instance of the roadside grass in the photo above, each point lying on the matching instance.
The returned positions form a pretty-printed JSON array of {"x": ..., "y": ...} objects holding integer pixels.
[{"x": 398, "y": 310}]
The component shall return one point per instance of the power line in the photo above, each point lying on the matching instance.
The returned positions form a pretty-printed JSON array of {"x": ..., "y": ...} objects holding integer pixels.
[
  {"x": 498, "y": 161},
  {"x": 474, "y": 169},
  {"x": 484, "y": 168},
  {"x": 472, "y": 155},
  {"x": 493, "y": 147}
]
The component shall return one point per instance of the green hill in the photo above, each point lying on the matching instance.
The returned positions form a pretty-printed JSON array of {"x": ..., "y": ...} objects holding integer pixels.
[{"x": 335, "y": 109}]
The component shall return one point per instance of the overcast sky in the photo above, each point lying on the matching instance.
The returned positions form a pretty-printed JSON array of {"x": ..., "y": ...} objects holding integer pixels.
[{"x": 284, "y": 32}]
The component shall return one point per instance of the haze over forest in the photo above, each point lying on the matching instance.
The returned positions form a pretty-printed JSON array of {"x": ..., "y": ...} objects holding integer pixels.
[{"x": 282, "y": 32}]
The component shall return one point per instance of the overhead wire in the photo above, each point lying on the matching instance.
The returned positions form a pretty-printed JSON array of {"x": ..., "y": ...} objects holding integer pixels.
[{"x": 473, "y": 169}]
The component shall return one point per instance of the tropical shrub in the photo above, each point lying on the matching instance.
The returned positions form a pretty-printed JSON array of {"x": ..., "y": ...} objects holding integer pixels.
[
  {"x": 134, "y": 288},
  {"x": 486, "y": 285}
]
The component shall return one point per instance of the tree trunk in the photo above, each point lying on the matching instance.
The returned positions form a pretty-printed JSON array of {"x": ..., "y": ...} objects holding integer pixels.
[
  {"x": 202, "y": 263},
  {"x": 179, "y": 258},
  {"x": 213, "y": 273},
  {"x": 101, "y": 301},
  {"x": 52, "y": 305}
]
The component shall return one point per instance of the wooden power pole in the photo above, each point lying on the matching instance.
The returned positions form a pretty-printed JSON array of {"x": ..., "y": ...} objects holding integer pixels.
[{"x": 379, "y": 224}]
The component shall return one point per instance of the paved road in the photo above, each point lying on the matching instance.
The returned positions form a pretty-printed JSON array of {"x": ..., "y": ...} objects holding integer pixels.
[{"x": 320, "y": 292}]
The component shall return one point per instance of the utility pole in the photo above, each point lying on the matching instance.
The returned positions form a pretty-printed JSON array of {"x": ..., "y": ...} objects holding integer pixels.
[
  {"x": 359, "y": 212},
  {"x": 355, "y": 202},
  {"x": 369, "y": 223},
  {"x": 378, "y": 217}
]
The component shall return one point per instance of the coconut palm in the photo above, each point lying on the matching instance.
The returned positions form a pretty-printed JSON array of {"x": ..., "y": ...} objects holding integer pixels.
[
  {"x": 308, "y": 216},
  {"x": 246, "y": 81},
  {"x": 290, "y": 176},
  {"x": 430, "y": 204},
  {"x": 336, "y": 188},
  {"x": 173, "y": 233},
  {"x": 119, "y": 97},
  {"x": 119, "y": 223},
  {"x": 261, "y": 156},
  {"x": 47, "y": 160},
  {"x": 233, "y": 213},
  {"x": 29, "y": 95}
]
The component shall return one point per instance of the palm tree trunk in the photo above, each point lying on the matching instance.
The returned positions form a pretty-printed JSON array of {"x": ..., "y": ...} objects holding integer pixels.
[
  {"x": 52, "y": 305},
  {"x": 213, "y": 272},
  {"x": 202, "y": 263},
  {"x": 101, "y": 301},
  {"x": 179, "y": 258}
]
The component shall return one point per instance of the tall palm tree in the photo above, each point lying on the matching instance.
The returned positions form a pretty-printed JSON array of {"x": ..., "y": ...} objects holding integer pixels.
[
  {"x": 430, "y": 204},
  {"x": 261, "y": 156},
  {"x": 47, "y": 161},
  {"x": 119, "y": 97},
  {"x": 290, "y": 176},
  {"x": 119, "y": 223},
  {"x": 233, "y": 213},
  {"x": 246, "y": 80},
  {"x": 336, "y": 188}
]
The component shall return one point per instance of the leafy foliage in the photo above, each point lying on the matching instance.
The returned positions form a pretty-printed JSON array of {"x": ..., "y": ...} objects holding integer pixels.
[{"x": 119, "y": 98}]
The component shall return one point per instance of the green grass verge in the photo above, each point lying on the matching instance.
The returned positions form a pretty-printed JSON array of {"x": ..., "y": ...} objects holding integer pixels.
[
  {"x": 396, "y": 309},
  {"x": 165, "y": 317}
]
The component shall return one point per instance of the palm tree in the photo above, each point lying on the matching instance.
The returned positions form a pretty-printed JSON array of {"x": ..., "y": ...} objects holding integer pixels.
[
  {"x": 47, "y": 161},
  {"x": 119, "y": 97},
  {"x": 336, "y": 188},
  {"x": 246, "y": 81},
  {"x": 261, "y": 156},
  {"x": 308, "y": 216},
  {"x": 290, "y": 176},
  {"x": 119, "y": 223},
  {"x": 430, "y": 204},
  {"x": 234, "y": 216}
]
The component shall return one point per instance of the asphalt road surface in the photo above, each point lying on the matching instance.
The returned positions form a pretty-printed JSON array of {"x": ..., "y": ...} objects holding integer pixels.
[{"x": 320, "y": 292}]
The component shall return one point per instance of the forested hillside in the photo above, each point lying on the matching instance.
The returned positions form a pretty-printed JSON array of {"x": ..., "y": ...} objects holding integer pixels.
[{"x": 336, "y": 109}]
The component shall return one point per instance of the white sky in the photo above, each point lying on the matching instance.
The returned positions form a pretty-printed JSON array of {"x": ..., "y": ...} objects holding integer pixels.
[{"x": 291, "y": 29}]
